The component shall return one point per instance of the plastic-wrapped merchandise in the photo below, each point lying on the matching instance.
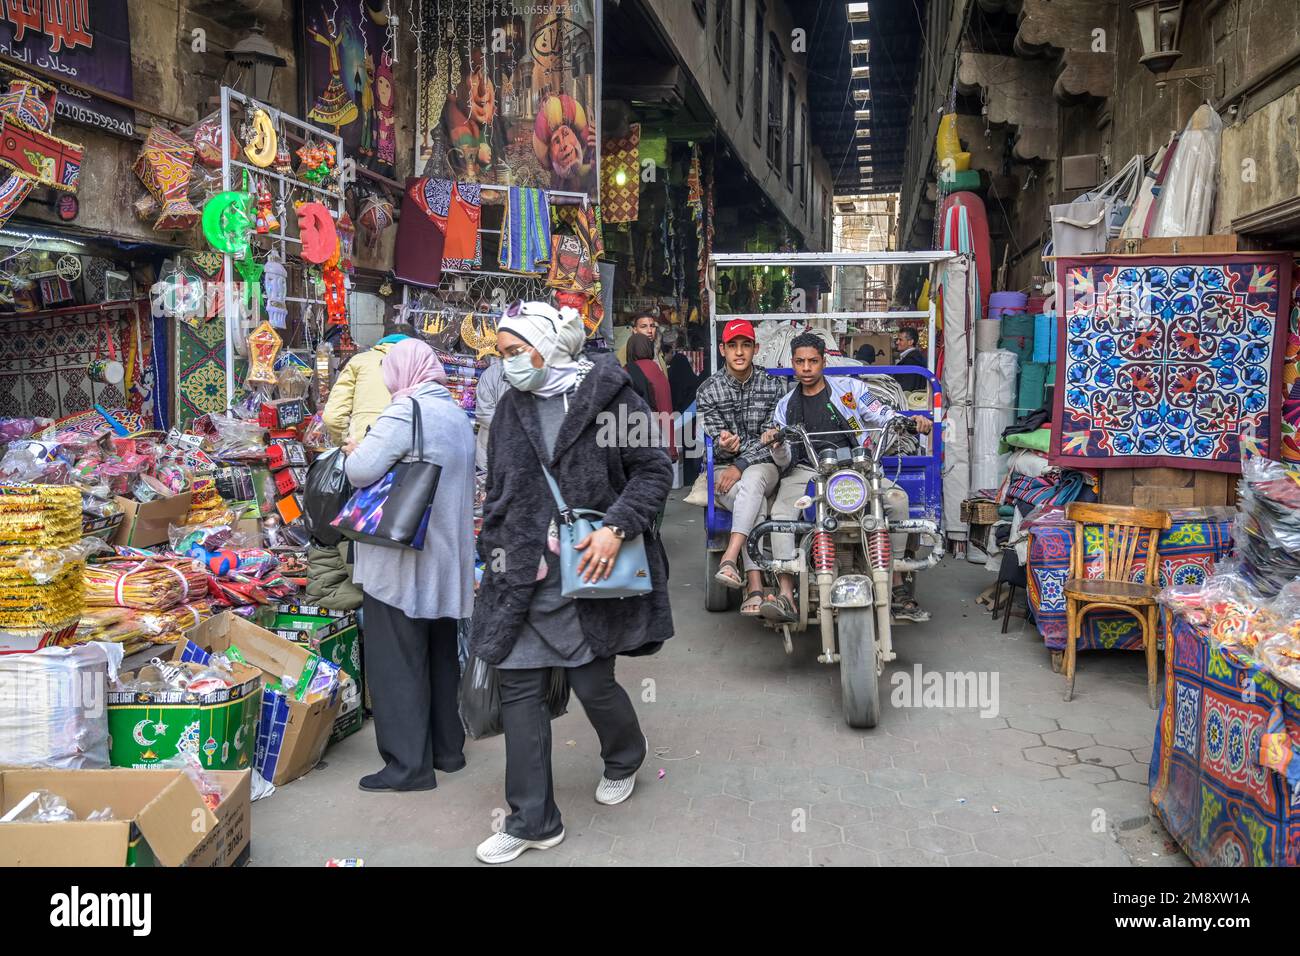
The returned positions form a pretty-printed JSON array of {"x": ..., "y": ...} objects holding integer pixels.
[
  {"x": 956, "y": 468},
  {"x": 52, "y": 706},
  {"x": 292, "y": 382},
  {"x": 238, "y": 439},
  {"x": 1187, "y": 195},
  {"x": 315, "y": 436},
  {"x": 995, "y": 383}
]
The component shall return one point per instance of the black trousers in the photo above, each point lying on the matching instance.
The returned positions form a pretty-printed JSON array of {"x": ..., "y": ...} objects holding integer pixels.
[
  {"x": 530, "y": 787},
  {"x": 413, "y": 673}
]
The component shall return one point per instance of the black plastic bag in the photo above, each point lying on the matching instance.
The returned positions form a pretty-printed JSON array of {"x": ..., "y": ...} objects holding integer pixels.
[
  {"x": 326, "y": 492},
  {"x": 480, "y": 697}
]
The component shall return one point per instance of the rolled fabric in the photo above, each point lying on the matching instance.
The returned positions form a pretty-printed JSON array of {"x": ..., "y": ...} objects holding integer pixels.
[{"x": 987, "y": 332}]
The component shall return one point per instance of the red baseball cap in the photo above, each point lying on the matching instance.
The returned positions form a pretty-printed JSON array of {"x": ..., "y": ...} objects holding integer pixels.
[{"x": 738, "y": 327}]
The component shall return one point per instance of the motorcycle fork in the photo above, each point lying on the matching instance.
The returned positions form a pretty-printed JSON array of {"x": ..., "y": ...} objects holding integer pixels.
[
  {"x": 880, "y": 551},
  {"x": 824, "y": 579}
]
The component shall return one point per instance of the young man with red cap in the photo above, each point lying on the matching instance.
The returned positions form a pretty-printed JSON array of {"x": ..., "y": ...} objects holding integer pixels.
[{"x": 734, "y": 403}]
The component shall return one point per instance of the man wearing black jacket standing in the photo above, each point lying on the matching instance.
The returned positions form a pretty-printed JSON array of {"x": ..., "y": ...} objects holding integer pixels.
[{"x": 910, "y": 353}]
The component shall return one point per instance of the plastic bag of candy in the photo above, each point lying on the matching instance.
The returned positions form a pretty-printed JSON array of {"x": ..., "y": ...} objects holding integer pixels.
[{"x": 315, "y": 436}]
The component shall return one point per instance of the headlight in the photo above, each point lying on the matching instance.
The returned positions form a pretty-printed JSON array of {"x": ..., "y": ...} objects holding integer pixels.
[{"x": 846, "y": 492}]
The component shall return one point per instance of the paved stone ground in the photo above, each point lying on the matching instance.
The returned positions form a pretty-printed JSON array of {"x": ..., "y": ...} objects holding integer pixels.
[{"x": 754, "y": 765}]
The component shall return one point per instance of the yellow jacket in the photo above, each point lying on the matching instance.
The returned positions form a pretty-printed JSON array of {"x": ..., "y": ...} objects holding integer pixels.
[{"x": 358, "y": 397}]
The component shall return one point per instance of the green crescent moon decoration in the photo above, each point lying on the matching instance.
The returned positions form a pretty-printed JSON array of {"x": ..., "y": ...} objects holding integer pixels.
[{"x": 228, "y": 222}]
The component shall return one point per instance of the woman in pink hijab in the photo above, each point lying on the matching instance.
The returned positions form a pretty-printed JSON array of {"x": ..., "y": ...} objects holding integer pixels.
[{"x": 414, "y": 599}]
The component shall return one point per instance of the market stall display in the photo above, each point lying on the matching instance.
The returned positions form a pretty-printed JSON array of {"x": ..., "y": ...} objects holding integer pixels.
[{"x": 1189, "y": 550}]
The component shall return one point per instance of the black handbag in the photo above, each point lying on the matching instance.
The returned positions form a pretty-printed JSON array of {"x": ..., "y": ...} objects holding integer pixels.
[{"x": 394, "y": 511}]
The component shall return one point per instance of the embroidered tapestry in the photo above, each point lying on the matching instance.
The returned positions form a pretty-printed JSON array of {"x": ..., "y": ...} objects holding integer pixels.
[{"x": 1170, "y": 361}]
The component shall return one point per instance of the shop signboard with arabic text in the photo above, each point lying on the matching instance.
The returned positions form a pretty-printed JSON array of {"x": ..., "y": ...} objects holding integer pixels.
[{"x": 87, "y": 41}]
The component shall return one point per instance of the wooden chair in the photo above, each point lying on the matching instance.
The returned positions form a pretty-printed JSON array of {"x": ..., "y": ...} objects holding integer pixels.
[{"x": 1122, "y": 530}]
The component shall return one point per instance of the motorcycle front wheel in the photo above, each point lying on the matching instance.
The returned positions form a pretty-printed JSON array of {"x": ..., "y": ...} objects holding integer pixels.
[{"x": 855, "y": 631}]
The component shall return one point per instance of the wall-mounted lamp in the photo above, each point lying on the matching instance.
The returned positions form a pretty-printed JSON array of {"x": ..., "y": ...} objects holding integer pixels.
[
  {"x": 258, "y": 58},
  {"x": 1159, "y": 24}
]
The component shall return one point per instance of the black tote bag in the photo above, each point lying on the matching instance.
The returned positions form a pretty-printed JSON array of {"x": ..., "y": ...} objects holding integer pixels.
[{"x": 394, "y": 511}]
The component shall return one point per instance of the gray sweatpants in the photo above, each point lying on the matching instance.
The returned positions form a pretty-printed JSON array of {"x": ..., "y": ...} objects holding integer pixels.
[
  {"x": 747, "y": 500},
  {"x": 794, "y": 486}
]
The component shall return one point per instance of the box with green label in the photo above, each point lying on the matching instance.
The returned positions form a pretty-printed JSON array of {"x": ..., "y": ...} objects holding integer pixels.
[
  {"x": 146, "y": 728},
  {"x": 334, "y": 635}
]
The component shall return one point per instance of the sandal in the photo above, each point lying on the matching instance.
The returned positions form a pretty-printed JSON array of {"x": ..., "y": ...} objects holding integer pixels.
[
  {"x": 732, "y": 580},
  {"x": 904, "y": 608},
  {"x": 750, "y": 606},
  {"x": 779, "y": 609}
]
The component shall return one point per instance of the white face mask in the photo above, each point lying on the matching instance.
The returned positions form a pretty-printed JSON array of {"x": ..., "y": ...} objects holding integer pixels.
[{"x": 521, "y": 374}]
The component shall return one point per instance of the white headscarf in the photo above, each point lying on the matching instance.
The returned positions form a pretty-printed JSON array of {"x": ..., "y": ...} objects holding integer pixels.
[{"x": 558, "y": 335}]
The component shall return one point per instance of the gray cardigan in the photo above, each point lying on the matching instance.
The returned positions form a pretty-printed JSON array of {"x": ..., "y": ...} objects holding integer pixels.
[{"x": 438, "y": 581}]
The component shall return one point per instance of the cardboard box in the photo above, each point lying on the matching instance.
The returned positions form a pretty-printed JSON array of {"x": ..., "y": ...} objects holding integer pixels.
[
  {"x": 351, "y": 717},
  {"x": 291, "y": 734},
  {"x": 145, "y": 524},
  {"x": 220, "y": 727},
  {"x": 156, "y": 812},
  {"x": 334, "y": 635}
]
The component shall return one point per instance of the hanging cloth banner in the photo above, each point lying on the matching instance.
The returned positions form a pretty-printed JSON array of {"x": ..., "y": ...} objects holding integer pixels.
[{"x": 508, "y": 93}]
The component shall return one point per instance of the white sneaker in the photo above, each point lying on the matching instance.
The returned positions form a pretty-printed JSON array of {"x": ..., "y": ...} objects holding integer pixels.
[
  {"x": 502, "y": 847},
  {"x": 613, "y": 792}
]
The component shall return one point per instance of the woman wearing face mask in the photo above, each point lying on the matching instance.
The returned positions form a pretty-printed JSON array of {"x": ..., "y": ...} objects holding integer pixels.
[
  {"x": 555, "y": 415},
  {"x": 412, "y": 599}
]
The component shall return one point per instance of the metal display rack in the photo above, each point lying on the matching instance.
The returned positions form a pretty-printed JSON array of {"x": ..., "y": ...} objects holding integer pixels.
[
  {"x": 233, "y": 170},
  {"x": 780, "y": 260}
]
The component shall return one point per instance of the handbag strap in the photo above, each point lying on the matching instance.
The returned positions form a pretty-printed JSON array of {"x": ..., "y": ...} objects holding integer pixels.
[
  {"x": 565, "y": 514},
  {"x": 417, "y": 430}
]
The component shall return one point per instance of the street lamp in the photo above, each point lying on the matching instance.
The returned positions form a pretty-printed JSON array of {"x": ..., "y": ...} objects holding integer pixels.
[
  {"x": 257, "y": 54},
  {"x": 1159, "y": 24}
]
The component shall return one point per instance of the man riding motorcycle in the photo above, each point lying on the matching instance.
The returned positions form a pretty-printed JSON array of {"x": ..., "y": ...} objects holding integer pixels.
[
  {"x": 734, "y": 404},
  {"x": 821, "y": 404}
]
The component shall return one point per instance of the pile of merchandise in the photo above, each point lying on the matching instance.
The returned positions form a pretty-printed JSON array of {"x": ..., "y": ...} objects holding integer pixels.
[
  {"x": 213, "y": 521},
  {"x": 1251, "y": 604}
]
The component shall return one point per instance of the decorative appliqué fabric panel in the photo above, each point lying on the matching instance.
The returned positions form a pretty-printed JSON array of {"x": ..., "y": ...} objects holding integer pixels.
[{"x": 1171, "y": 362}]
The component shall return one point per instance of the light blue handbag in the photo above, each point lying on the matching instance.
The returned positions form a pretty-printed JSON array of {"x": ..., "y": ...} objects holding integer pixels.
[{"x": 631, "y": 574}]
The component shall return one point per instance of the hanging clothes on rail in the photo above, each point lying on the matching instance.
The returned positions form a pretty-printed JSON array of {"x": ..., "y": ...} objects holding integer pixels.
[
  {"x": 417, "y": 256},
  {"x": 526, "y": 230}
]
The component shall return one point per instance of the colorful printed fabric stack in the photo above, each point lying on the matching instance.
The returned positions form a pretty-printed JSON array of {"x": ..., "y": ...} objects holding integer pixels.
[
  {"x": 1223, "y": 768},
  {"x": 1170, "y": 362},
  {"x": 45, "y": 607},
  {"x": 1189, "y": 551}
]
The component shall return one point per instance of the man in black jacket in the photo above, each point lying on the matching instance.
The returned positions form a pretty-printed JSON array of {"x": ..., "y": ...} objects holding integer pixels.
[{"x": 909, "y": 353}]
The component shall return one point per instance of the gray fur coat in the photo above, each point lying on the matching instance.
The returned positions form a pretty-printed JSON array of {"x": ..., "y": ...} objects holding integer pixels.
[{"x": 630, "y": 484}]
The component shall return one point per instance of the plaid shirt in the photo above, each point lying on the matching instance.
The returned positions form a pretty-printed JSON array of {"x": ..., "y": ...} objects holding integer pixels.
[{"x": 742, "y": 408}]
